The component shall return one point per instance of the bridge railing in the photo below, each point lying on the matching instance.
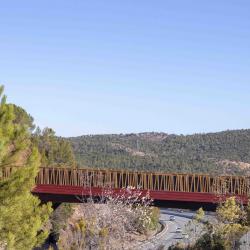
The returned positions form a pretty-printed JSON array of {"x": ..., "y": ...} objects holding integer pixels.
[{"x": 238, "y": 185}]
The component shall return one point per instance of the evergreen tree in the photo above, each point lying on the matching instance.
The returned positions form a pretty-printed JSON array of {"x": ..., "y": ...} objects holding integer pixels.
[
  {"x": 22, "y": 216},
  {"x": 23, "y": 118},
  {"x": 55, "y": 151}
]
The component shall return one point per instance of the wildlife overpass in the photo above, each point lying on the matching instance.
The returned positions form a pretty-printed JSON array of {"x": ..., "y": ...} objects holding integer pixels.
[{"x": 67, "y": 185}]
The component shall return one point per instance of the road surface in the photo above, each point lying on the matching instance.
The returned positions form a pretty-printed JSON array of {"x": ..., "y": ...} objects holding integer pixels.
[{"x": 170, "y": 236}]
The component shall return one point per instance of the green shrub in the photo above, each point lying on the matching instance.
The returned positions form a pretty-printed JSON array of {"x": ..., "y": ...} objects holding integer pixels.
[
  {"x": 59, "y": 218},
  {"x": 147, "y": 219},
  {"x": 154, "y": 218}
]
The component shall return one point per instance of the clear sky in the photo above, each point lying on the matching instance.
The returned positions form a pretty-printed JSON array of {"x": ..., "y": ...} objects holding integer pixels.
[{"x": 87, "y": 67}]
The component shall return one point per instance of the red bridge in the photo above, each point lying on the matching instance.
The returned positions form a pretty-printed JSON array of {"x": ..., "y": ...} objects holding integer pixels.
[{"x": 65, "y": 184}]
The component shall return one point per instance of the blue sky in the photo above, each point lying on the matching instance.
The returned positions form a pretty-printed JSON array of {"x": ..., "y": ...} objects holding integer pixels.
[{"x": 90, "y": 67}]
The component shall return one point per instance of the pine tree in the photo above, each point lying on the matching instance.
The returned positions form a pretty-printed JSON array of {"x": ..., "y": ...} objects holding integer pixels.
[
  {"x": 22, "y": 216},
  {"x": 55, "y": 151}
]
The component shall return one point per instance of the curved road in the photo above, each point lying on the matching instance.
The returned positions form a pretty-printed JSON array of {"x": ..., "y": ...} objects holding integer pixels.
[{"x": 170, "y": 236}]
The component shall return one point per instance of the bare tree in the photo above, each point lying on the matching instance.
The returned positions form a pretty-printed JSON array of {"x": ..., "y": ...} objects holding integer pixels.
[{"x": 109, "y": 221}]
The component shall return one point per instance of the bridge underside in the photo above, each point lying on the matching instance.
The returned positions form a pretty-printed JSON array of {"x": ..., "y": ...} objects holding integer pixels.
[{"x": 64, "y": 193}]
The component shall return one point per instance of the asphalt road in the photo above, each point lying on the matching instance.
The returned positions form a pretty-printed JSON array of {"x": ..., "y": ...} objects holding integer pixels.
[
  {"x": 245, "y": 242},
  {"x": 170, "y": 236},
  {"x": 181, "y": 219}
]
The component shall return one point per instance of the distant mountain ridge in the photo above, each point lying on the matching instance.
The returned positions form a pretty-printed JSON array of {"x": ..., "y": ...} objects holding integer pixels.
[{"x": 226, "y": 152}]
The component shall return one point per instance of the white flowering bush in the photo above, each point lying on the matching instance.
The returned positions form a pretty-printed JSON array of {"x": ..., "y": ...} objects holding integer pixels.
[{"x": 111, "y": 221}]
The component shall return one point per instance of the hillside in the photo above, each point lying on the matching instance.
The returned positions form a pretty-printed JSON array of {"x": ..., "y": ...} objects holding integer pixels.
[{"x": 226, "y": 152}]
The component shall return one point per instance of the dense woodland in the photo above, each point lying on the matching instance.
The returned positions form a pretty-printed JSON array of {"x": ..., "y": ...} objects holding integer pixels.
[{"x": 221, "y": 153}]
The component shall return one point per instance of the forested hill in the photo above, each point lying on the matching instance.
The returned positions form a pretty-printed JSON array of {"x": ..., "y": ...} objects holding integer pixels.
[{"x": 226, "y": 152}]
